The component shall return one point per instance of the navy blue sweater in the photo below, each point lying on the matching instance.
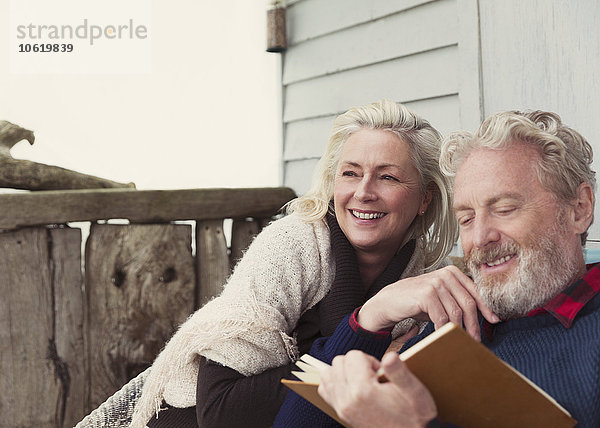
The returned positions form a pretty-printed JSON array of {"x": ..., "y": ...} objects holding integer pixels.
[{"x": 563, "y": 362}]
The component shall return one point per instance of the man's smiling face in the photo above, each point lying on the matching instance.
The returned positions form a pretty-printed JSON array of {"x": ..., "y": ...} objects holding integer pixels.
[{"x": 516, "y": 235}]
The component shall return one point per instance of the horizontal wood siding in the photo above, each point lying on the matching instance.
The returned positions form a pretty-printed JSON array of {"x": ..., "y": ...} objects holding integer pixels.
[
  {"x": 417, "y": 30},
  {"x": 544, "y": 54},
  {"x": 307, "y": 138},
  {"x": 308, "y": 19},
  {"x": 344, "y": 53},
  {"x": 426, "y": 75},
  {"x": 298, "y": 174},
  {"x": 442, "y": 112}
]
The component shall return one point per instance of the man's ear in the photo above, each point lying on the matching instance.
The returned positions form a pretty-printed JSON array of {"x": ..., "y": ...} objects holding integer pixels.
[{"x": 583, "y": 208}]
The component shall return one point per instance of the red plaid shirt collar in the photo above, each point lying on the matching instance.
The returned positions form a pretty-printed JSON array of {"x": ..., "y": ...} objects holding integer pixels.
[{"x": 567, "y": 304}]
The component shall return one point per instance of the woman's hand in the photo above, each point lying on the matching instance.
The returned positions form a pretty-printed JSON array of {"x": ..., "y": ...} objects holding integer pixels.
[
  {"x": 440, "y": 296},
  {"x": 352, "y": 388}
]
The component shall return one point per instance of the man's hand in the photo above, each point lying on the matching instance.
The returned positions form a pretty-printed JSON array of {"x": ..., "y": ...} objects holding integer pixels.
[
  {"x": 440, "y": 296},
  {"x": 352, "y": 388}
]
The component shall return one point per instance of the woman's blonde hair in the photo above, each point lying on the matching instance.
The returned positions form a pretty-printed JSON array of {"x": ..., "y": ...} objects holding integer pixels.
[
  {"x": 438, "y": 226},
  {"x": 565, "y": 155}
]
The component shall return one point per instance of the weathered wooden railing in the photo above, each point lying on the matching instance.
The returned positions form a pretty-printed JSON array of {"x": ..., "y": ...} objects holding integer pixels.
[{"x": 69, "y": 339}]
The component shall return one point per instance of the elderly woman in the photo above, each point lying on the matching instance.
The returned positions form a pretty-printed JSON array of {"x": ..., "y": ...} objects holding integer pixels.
[{"x": 377, "y": 213}]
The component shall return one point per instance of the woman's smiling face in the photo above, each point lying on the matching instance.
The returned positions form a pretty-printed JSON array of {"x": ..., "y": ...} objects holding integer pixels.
[{"x": 377, "y": 192}]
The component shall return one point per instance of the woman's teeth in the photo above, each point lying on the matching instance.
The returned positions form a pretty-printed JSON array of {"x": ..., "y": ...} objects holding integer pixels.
[
  {"x": 499, "y": 261},
  {"x": 367, "y": 216}
]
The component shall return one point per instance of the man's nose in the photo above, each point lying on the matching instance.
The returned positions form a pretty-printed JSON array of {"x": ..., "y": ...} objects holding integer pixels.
[{"x": 484, "y": 232}]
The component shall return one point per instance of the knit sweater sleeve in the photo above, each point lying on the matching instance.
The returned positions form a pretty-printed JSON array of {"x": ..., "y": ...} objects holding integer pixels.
[
  {"x": 296, "y": 411},
  {"x": 285, "y": 271}
]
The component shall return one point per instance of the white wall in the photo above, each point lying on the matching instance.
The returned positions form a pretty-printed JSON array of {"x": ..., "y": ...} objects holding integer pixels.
[
  {"x": 207, "y": 115},
  {"x": 544, "y": 55}
]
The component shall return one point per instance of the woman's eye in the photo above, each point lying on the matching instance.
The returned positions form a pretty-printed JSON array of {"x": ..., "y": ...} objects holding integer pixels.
[
  {"x": 348, "y": 174},
  {"x": 389, "y": 177}
]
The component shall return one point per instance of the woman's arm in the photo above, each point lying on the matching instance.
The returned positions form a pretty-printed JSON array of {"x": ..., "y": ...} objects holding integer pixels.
[
  {"x": 296, "y": 411},
  {"x": 226, "y": 398}
]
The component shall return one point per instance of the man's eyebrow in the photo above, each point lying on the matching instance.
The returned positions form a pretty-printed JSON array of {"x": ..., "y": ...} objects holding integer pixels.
[{"x": 510, "y": 196}]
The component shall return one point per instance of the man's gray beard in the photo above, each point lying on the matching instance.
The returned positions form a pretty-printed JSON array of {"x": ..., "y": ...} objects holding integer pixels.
[{"x": 544, "y": 270}]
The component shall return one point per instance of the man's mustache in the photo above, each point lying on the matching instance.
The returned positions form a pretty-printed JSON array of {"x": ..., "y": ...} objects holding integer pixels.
[{"x": 478, "y": 256}]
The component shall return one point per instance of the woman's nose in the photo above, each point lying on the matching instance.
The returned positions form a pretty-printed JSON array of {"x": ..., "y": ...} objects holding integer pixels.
[{"x": 365, "y": 190}]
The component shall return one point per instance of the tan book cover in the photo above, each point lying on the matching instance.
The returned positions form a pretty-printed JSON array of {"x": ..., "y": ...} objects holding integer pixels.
[{"x": 470, "y": 385}]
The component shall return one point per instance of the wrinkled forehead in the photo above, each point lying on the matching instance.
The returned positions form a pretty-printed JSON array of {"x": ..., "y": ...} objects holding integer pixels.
[{"x": 487, "y": 173}]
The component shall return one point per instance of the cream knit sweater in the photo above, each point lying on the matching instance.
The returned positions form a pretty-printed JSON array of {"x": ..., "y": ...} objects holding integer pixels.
[{"x": 286, "y": 270}]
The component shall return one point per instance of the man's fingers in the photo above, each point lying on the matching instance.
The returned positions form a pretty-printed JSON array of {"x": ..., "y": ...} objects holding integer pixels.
[
  {"x": 470, "y": 286},
  {"x": 344, "y": 382},
  {"x": 361, "y": 365},
  {"x": 458, "y": 297},
  {"x": 450, "y": 297},
  {"x": 417, "y": 396},
  {"x": 467, "y": 312},
  {"x": 397, "y": 372}
]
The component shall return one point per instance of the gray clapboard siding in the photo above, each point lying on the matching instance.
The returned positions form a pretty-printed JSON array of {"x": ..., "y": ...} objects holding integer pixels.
[
  {"x": 442, "y": 112},
  {"x": 426, "y": 75},
  {"x": 312, "y": 18},
  {"x": 298, "y": 174},
  {"x": 308, "y": 138},
  {"x": 420, "y": 29},
  {"x": 344, "y": 53},
  {"x": 544, "y": 54}
]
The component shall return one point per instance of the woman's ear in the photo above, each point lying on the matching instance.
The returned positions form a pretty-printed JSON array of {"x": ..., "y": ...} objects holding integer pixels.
[
  {"x": 583, "y": 208},
  {"x": 427, "y": 197}
]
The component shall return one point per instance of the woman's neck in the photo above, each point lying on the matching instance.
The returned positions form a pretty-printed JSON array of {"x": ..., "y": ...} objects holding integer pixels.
[{"x": 371, "y": 265}]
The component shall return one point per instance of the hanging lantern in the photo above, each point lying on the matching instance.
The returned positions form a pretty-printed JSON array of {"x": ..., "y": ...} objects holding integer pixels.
[{"x": 276, "y": 36}]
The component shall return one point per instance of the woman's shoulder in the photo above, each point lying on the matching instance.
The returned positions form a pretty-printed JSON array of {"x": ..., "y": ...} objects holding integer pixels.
[{"x": 293, "y": 227}]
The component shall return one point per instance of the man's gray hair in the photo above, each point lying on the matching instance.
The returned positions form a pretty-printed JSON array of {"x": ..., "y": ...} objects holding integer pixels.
[{"x": 565, "y": 155}]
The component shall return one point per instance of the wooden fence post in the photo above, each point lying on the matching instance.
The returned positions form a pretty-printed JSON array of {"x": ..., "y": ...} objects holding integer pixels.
[
  {"x": 212, "y": 260},
  {"x": 140, "y": 281},
  {"x": 41, "y": 328},
  {"x": 243, "y": 232}
]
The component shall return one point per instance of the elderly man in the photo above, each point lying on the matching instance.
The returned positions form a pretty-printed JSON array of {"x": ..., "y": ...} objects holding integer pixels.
[{"x": 524, "y": 199}]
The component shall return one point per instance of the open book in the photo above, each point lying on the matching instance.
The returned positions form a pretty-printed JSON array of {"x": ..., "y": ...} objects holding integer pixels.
[{"x": 470, "y": 385}]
